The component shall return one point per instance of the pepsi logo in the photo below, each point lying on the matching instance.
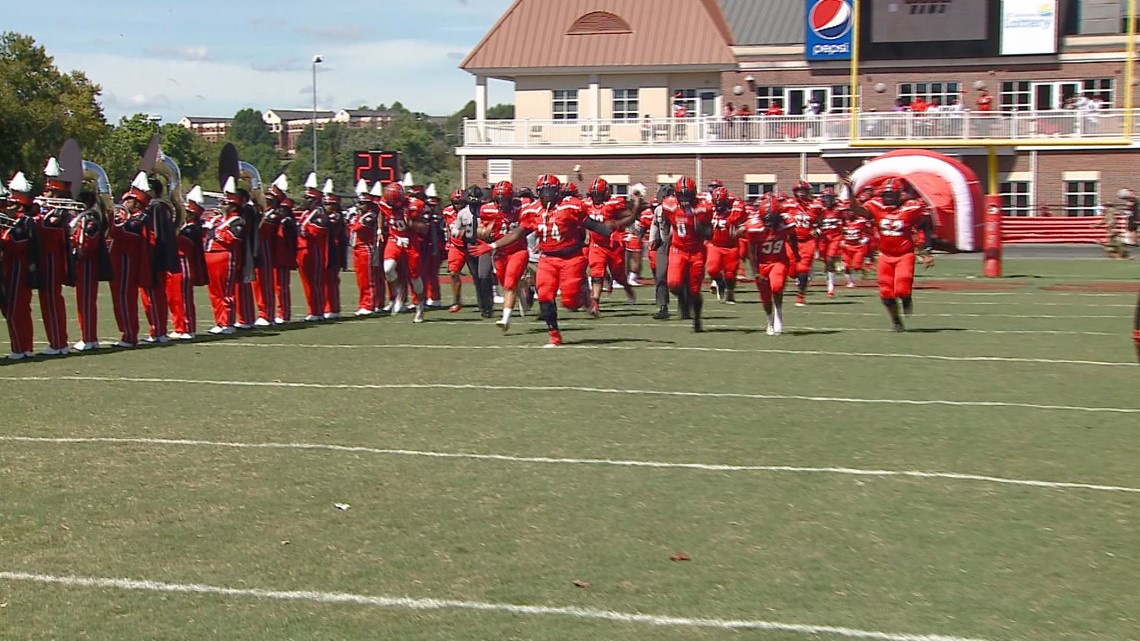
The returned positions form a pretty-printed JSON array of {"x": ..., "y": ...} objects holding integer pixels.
[{"x": 830, "y": 19}]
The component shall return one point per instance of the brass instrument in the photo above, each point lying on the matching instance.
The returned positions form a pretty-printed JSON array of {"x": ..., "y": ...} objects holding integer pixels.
[
  {"x": 98, "y": 177},
  {"x": 168, "y": 173},
  {"x": 249, "y": 174},
  {"x": 65, "y": 204}
]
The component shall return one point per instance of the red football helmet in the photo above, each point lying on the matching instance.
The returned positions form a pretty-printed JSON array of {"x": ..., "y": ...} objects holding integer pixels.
[
  {"x": 802, "y": 190},
  {"x": 547, "y": 181},
  {"x": 549, "y": 189},
  {"x": 503, "y": 192},
  {"x": 571, "y": 189},
  {"x": 457, "y": 197},
  {"x": 599, "y": 190},
  {"x": 686, "y": 189},
  {"x": 827, "y": 197},
  {"x": 714, "y": 184},
  {"x": 891, "y": 194},
  {"x": 394, "y": 194},
  {"x": 721, "y": 198}
]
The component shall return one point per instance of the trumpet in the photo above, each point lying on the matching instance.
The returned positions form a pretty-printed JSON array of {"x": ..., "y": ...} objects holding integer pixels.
[{"x": 66, "y": 204}]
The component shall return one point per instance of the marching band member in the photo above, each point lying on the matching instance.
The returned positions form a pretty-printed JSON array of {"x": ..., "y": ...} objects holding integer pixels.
[
  {"x": 225, "y": 230},
  {"x": 265, "y": 259},
  {"x": 54, "y": 258},
  {"x": 284, "y": 245},
  {"x": 364, "y": 225},
  {"x": 312, "y": 248},
  {"x": 192, "y": 271},
  {"x": 162, "y": 259},
  {"x": 130, "y": 259},
  {"x": 434, "y": 246},
  {"x": 90, "y": 252},
  {"x": 18, "y": 263},
  {"x": 337, "y": 250}
]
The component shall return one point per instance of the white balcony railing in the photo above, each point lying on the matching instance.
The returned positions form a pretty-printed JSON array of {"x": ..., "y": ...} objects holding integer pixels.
[{"x": 800, "y": 130}]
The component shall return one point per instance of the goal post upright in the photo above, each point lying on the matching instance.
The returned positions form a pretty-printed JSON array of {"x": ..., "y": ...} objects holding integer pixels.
[{"x": 992, "y": 213}]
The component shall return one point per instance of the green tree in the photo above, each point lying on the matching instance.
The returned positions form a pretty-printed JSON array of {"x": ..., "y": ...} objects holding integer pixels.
[
  {"x": 120, "y": 152},
  {"x": 249, "y": 129},
  {"x": 41, "y": 107}
]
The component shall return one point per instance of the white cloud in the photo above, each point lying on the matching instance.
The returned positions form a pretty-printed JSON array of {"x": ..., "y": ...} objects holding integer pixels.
[{"x": 418, "y": 73}]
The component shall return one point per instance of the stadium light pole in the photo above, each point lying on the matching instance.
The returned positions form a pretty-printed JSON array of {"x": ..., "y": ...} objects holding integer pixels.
[{"x": 316, "y": 61}]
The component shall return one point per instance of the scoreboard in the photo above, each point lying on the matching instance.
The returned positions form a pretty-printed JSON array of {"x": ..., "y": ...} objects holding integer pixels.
[{"x": 383, "y": 166}]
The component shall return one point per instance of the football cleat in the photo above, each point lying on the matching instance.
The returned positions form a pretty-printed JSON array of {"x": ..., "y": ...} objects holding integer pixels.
[{"x": 555, "y": 338}]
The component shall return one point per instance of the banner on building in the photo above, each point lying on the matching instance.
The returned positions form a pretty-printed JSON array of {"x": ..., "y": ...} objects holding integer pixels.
[
  {"x": 828, "y": 29},
  {"x": 1028, "y": 27}
]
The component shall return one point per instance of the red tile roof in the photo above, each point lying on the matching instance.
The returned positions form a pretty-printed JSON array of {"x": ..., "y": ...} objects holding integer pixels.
[{"x": 536, "y": 34}]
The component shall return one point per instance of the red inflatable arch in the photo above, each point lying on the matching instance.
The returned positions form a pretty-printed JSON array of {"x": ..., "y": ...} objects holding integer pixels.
[{"x": 950, "y": 188}]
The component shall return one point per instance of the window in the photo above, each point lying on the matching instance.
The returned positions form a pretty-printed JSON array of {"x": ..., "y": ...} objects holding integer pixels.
[
  {"x": 943, "y": 92},
  {"x": 687, "y": 97},
  {"x": 1015, "y": 196},
  {"x": 619, "y": 189},
  {"x": 565, "y": 104},
  {"x": 765, "y": 96},
  {"x": 1100, "y": 88},
  {"x": 817, "y": 188},
  {"x": 840, "y": 98},
  {"x": 625, "y": 104},
  {"x": 756, "y": 190},
  {"x": 1016, "y": 95},
  {"x": 1081, "y": 197}
]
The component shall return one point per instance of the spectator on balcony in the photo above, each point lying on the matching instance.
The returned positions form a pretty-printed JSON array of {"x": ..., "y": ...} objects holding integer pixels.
[
  {"x": 726, "y": 127},
  {"x": 984, "y": 105},
  {"x": 744, "y": 116},
  {"x": 646, "y": 128},
  {"x": 952, "y": 120},
  {"x": 814, "y": 111},
  {"x": 680, "y": 113}
]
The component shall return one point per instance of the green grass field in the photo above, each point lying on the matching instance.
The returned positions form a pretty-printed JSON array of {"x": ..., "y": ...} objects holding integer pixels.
[{"x": 188, "y": 491}]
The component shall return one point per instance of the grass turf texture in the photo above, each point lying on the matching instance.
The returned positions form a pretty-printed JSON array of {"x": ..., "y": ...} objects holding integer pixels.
[{"x": 899, "y": 555}]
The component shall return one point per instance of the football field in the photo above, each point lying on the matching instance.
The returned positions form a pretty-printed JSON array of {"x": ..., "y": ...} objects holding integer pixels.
[{"x": 976, "y": 478}]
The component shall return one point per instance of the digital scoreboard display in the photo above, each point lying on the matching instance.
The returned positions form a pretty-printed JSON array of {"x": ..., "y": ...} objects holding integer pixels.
[
  {"x": 377, "y": 165},
  {"x": 928, "y": 20},
  {"x": 929, "y": 29}
]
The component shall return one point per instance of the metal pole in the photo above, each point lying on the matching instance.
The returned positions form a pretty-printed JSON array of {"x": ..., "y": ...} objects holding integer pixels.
[
  {"x": 314, "y": 123},
  {"x": 1129, "y": 70},
  {"x": 856, "y": 94}
]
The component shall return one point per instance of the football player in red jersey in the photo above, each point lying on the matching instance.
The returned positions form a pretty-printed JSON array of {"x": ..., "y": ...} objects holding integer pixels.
[
  {"x": 456, "y": 247},
  {"x": 896, "y": 224},
  {"x": 560, "y": 222},
  {"x": 830, "y": 235},
  {"x": 607, "y": 251},
  {"x": 496, "y": 219},
  {"x": 805, "y": 211},
  {"x": 723, "y": 248},
  {"x": 771, "y": 239},
  {"x": 690, "y": 219},
  {"x": 856, "y": 241},
  {"x": 404, "y": 218}
]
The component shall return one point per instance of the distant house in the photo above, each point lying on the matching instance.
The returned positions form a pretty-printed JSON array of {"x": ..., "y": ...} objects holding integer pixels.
[
  {"x": 288, "y": 124},
  {"x": 365, "y": 118},
  {"x": 212, "y": 129}
]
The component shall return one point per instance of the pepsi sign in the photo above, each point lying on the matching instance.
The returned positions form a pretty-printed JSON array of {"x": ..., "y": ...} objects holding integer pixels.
[{"x": 828, "y": 28}]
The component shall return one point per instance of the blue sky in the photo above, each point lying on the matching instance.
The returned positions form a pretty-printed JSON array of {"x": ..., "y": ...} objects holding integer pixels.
[{"x": 213, "y": 57}]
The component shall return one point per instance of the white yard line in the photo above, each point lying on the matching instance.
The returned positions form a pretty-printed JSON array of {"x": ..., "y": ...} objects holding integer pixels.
[
  {"x": 546, "y": 460},
  {"x": 408, "y": 603},
  {"x": 789, "y": 329},
  {"x": 571, "y": 388},
  {"x": 824, "y": 312},
  {"x": 675, "y": 348}
]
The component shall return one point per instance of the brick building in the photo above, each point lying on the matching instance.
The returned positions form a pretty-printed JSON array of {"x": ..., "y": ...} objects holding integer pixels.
[
  {"x": 212, "y": 129},
  {"x": 610, "y": 89}
]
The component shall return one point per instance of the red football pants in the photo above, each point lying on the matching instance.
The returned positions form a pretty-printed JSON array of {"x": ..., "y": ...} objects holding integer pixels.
[
  {"x": 407, "y": 259},
  {"x": 311, "y": 265},
  {"x": 155, "y": 304},
  {"x": 51, "y": 301},
  {"x": 896, "y": 276},
  {"x": 456, "y": 259},
  {"x": 87, "y": 299},
  {"x": 221, "y": 267},
  {"x": 19, "y": 310},
  {"x": 686, "y": 269},
  {"x": 613, "y": 259},
  {"x": 723, "y": 261},
  {"x": 510, "y": 268},
  {"x": 125, "y": 295},
  {"x": 770, "y": 279},
  {"x": 556, "y": 273},
  {"x": 180, "y": 297},
  {"x": 807, "y": 255},
  {"x": 854, "y": 257},
  {"x": 368, "y": 278}
]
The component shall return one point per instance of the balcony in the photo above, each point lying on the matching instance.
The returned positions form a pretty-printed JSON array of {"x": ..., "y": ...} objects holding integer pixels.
[{"x": 833, "y": 130}]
